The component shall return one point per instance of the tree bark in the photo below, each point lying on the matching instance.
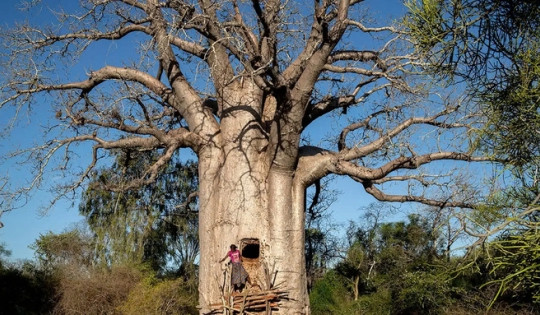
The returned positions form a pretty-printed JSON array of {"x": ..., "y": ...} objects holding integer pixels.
[{"x": 242, "y": 197}]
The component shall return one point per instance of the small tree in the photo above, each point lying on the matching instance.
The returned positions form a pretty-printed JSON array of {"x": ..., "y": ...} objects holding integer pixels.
[
  {"x": 155, "y": 224},
  {"x": 72, "y": 248},
  {"x": 4, "y": 253},
  {"x": 387, "y": 251}
]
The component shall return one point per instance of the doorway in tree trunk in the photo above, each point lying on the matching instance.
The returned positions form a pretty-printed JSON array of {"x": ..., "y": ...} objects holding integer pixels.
[
  {"x": 259, "y": 297},
  {"x": 251, "y": 256}
]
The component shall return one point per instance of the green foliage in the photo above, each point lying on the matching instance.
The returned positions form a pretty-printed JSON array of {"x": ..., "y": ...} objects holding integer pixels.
[
  {"x": 329, "y": 296},
  {"x": 421, "y": 292},
  {"x": 315, "y": 241},
  {"x": 4, "y": 252},
  {"x": 320, "y": 244},
  {"x": 493, "y": 47},
  {"x": 26, "y": 290},
  {"x": 67, "y": 248},
  {"x": 514, "y": 110},
  {"x": 379, "y": 302},
  {"x": 154, "y": 224},
  {"x": 426, "y": 22},
  {"x": 354, "y": 263},
  {"x": 399, "y": 268},
  {"x": 101, "y": 273},
  {"x": 511, "y": 261},
  {"x": 472, "y": 39},
  {"x": 402, "y": 246},
  {"x": 389, "y": 269},
  {"x": 165, "y": 296},
  {"x": 515, "y": 264}
]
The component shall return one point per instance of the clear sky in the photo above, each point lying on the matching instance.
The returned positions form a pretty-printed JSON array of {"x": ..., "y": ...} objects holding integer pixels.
[{"x": 23, "y": 226}]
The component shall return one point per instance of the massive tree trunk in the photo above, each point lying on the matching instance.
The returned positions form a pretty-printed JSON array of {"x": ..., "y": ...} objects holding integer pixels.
[
  {"x": 248, "y": 201},
  {"x": 272, "y": 218}
]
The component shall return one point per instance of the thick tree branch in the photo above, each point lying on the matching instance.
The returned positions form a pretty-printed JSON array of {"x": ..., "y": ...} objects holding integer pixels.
[
  {"x": 218, "y": 59},
  {"x": 362, "y": 56},
  {"x": 325, "y": 106},
  {"x": 189, "y": 47},
  {"x": 302, "y": 79},
  {"x": 110, "y": 73},
  {"x": 381, "y": 196},
  {"x": 92, "y": 35},
  {"x": 268, "y": 18},
  {"x": 187, "y": 101},
  {"x": 365, "y": 29},
  {"x": 413, "y": 162}
]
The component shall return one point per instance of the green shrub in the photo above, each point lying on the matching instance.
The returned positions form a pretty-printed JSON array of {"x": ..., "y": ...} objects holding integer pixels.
[
  {"x": 330, "y": 295},
  {"x": 155, "y": 296},
  {"x": 421, "y": 292},
  {"x": 376, "y": 303}
]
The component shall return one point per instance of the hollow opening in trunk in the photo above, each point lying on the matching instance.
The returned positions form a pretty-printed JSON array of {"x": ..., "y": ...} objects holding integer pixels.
[{"x": 251, "y": 248}]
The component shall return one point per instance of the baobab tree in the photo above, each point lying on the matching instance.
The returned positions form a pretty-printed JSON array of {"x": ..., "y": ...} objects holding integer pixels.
[{"x": 273, "y": 69}]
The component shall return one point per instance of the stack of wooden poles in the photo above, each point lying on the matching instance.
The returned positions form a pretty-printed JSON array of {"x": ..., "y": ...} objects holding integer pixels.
[{"x": 250, "y": 301}]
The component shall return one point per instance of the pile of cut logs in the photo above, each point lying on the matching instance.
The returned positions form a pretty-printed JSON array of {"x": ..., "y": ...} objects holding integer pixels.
[{"x": 245, "y": 302}]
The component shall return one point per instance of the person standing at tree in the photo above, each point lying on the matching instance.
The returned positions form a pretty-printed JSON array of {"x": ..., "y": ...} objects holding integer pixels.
[{"x": 239, "y": 275}]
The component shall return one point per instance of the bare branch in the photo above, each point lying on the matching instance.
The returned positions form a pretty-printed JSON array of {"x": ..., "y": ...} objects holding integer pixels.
[
  {"x": 91, "y": 35},
  {"x": 381, "y": 196},
  {"x": 414, "y": 162},
  {"x": 362, "y": 124},
  {"x": 371, "y": 29},
  {"x": 363, "y": 56},
  {"x": 110, "y": 73},
  {"x": 359, "y": 152}
]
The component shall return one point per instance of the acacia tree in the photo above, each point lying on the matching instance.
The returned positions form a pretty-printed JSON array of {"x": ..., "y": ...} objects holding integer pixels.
[{"x": 274, "y": 68}]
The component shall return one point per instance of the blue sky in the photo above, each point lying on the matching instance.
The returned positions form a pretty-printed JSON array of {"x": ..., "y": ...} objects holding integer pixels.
[{"x": 23, "y": 226}]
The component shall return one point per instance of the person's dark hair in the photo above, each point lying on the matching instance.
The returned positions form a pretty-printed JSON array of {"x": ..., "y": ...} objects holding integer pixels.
[{"x": 233, "y": 246}]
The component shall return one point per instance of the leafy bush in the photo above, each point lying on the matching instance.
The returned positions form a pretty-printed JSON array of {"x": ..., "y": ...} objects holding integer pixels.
[
  {"x": 379, "y": 303},
  {"x": 516, "y": 266},
  {"x": 154, "y": 296},
  {"x": 330, "y": 295},
  {"x": 421, "y": 292}
]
